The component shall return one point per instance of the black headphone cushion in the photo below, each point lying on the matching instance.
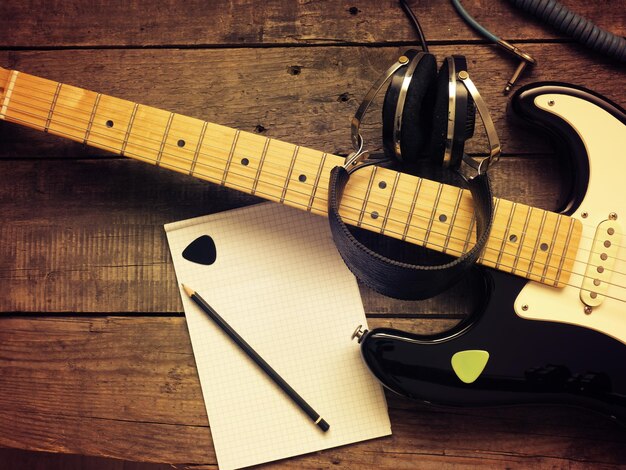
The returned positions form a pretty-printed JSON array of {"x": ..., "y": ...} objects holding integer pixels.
[
  {"x": 440, "y": 115},
  {"x": 416, "y": 115},
  {"x": 464, "y": 116}
]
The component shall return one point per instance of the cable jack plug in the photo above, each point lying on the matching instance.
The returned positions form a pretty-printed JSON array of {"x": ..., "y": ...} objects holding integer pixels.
[{"x": 524, "y": 60}]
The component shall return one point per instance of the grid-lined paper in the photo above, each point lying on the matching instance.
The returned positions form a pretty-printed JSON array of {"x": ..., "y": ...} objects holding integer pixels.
[{"x": 280, "y": 283}]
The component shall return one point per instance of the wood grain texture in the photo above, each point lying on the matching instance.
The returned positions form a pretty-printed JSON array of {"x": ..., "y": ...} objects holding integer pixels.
[
  {"x": 127, "y": 388},
  {"x": 16, "y": 459},
  {"x": 235, "y": 22},
  {"x": 309, "y": 105},
  {"x": 95, "y": 357}
]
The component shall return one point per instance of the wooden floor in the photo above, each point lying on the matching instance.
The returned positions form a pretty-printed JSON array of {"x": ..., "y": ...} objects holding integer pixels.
[{"x": 95, "y": 358}]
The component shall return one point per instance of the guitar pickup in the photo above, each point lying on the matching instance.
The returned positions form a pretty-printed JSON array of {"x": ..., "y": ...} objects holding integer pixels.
[{"x": 601, "y": 261}]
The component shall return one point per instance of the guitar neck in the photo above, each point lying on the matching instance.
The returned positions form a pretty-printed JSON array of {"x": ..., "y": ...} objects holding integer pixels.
[{"x": 525, "y": 241}]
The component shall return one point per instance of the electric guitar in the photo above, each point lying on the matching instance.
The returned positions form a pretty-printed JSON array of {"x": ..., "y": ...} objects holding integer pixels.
[{"x": 553, "y": 325}]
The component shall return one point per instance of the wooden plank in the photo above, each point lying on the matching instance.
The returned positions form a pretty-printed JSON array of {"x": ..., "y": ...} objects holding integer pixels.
[
  {"x": 234, "y": 22},
  {"x": 310, "y": 105},
  {"x": 95, "y": 227},
  {"x": 15, "y": 459},
  {"x": 84, "y": 385}
]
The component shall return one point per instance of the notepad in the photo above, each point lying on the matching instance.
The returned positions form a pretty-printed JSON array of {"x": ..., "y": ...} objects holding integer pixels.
[{"x": 278, "y": 280}]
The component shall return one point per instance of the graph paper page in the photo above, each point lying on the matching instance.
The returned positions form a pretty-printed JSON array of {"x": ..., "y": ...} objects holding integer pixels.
[{"x": 280, "y": 283}]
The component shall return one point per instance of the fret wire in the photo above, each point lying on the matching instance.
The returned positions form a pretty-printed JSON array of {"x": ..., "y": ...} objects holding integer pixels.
[
  {"x": 390, "y": 202},
  {"x": 537, "y": 242},
  {"x": 92, "y": 117},
  {"x": 130, "y": 125},
  {"x": 316, "y": 183},
  {"x": 196, "y": 153},
  {"x": 367, "y": 195},
  {"x": 551, "y": 248},
  {"x": 54, "y": 102},
  {"x": 433, "y": 213},
  {"x": 289, "y": 172},
  {"x": 164, "y": 139},
  {"x": 8, "y": 93},
  {"x": 412, "y": 209},
  {"x": 455, "y": 211},
  {"x": 469, "y": 234},
  {"x": 230, "y": 157},
  {"x": 570, "y": 230},
  {"x": 261, "y": 161},
  {"x": 522, "y": 239},
  {"x": 506, "y": 235}
]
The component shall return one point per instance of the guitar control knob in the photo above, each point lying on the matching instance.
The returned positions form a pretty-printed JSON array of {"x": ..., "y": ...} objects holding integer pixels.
[{"x": 359, "y": 333}]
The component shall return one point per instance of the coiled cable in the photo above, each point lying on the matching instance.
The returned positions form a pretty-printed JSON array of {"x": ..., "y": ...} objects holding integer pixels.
[{"x": 575, "y": 26}]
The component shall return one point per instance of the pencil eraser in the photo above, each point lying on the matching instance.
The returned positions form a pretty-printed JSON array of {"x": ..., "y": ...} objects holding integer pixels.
[{"x": 324, "y": 426}]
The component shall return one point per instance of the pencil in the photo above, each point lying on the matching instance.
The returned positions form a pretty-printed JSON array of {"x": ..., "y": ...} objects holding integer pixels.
[{"x": 291, "y": 393}]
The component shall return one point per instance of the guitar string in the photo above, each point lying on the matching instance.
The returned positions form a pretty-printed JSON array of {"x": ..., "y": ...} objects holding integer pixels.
[
  {"x": 462, "y": 213},
  {"x": 547, "y": 278},
  {"x": 432, "y": 244},
  {"x": 493, "y": 249},
  {"x": 160, "y": 124},
  {"x": 445, "y": 204},
  {"x": 409, "y": 195},
  {"x": 281, "y": 176},
  {"x": 532, "y": 261}
]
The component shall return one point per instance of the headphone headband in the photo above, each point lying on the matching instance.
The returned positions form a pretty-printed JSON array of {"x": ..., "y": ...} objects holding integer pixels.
[
  {"x": 357, "y": 140},
  {"x": 485, "y": 117}
]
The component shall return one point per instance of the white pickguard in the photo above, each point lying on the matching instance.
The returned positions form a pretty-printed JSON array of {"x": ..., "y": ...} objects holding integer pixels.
[{"x": 604, "y": 137}]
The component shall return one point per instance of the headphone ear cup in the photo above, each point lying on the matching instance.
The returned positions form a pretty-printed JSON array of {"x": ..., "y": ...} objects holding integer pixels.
[
  {"x": 415, "y": 129},
  {"x": 453, "y": 118}
]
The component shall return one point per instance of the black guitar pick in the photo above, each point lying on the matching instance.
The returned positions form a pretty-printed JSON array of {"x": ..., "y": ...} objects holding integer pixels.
[{"x": 201, "y": 250}]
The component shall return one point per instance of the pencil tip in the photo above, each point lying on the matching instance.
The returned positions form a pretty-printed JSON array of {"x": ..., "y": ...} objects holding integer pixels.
[{"x": 188, "y": 290}]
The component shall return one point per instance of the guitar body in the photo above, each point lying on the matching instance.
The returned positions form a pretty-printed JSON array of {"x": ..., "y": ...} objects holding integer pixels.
[{"x": 532, "y": 343}]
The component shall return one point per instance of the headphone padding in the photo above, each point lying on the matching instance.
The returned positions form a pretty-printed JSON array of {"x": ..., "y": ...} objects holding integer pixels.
[
  {"x": 463, "y": 115},
  {"x": 440, "y": 115},
  {"x": 416, "y": 115}
]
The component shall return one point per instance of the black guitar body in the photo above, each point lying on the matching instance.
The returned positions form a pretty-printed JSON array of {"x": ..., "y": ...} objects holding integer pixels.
[{"x": 525, "y": 360}]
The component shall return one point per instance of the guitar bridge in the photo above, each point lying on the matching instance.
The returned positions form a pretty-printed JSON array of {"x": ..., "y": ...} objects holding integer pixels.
[{"x": 601, "y": 261}]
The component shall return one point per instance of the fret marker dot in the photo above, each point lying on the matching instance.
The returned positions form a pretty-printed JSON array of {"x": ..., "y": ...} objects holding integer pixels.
[
  {"x": 245, "y": 161},
  {"x": 374, "y": 215},
  {"x": 443, "y": 218},
  {"x": 600, "y": 269},
  {"x": 382, "y": 185},
  {"x": 302, "y": 178},
  {"x": 181, "y": 143},
  {"x": 603, "y": 256},
  {"x": 543, "y": 247},
  {"x": 109, "y": 123},
  {"x": 607, "y": 243},
  {"x": 513, "y": 238}
]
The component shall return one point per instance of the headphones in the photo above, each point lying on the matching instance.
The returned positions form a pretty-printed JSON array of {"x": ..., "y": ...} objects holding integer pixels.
[{"x": 427, "y": 115}]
